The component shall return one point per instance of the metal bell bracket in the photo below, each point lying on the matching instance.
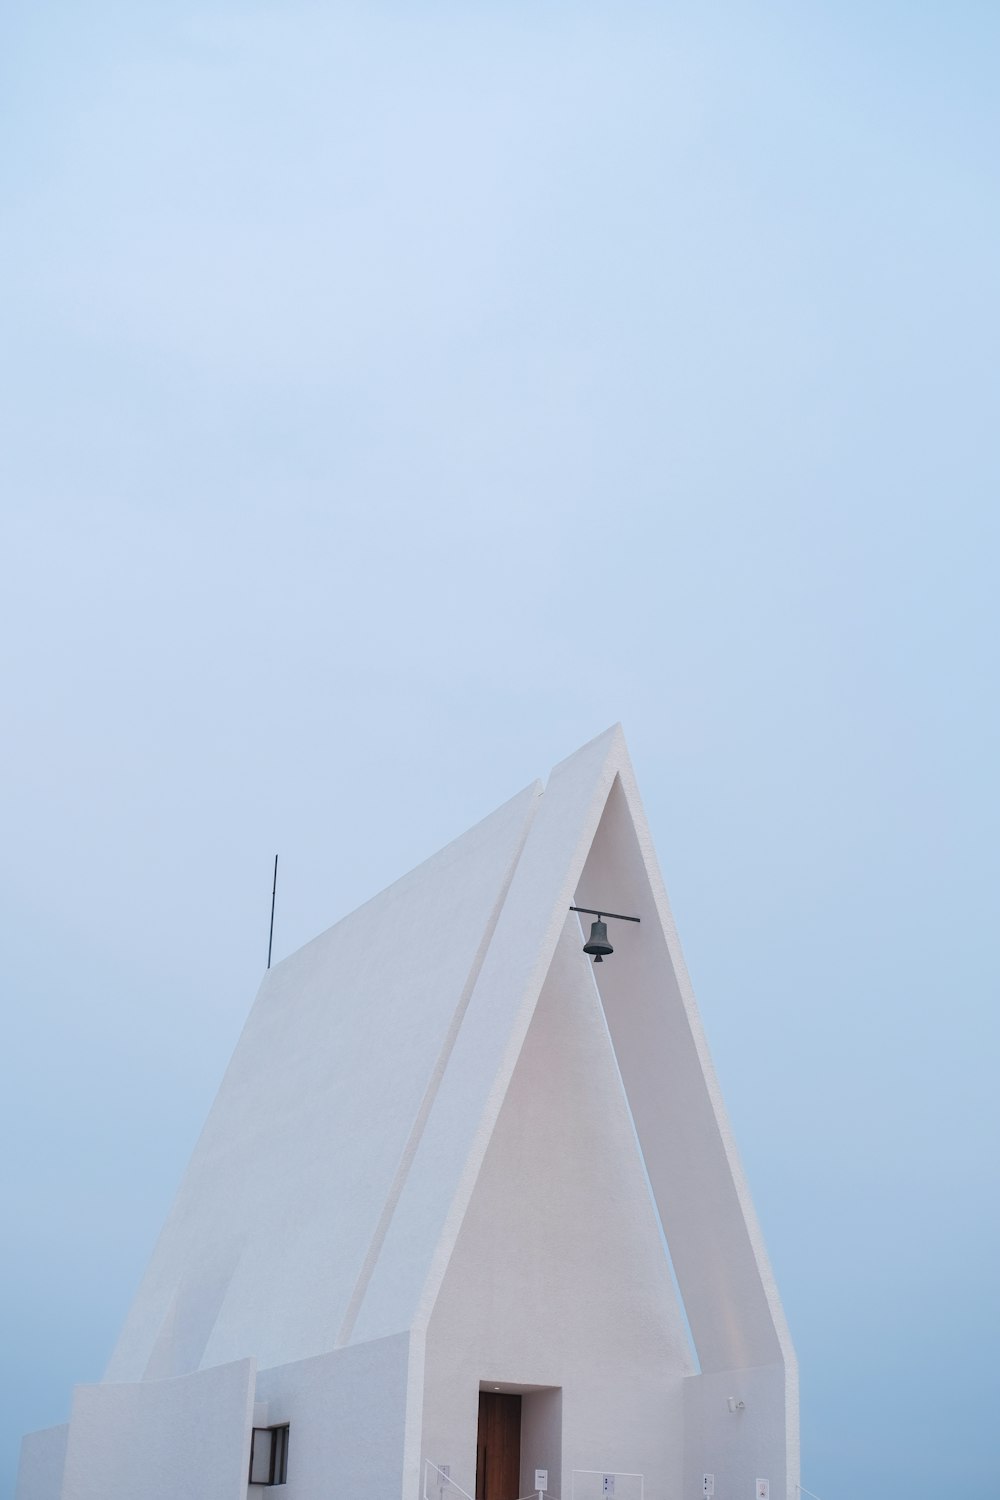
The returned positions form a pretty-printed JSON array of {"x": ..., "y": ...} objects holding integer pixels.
[{"x": 603, "y": 934}]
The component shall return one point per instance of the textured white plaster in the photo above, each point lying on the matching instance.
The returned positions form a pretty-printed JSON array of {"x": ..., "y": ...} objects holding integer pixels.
[
  {"x": 730, "y": 1297},
  {"x": 741, "y": 1445},
  {"x": 686, "y": 1140},
  {"x": 541, "y": 1439},
  {"x": 346, "y": 1414},
  {"x": 559, "y": 1277},
  {"x": 429, "y": 1213},
  {"x": 43, "y": 1458},
  {"x": 162, "y": 1439},
  {"x": 421, "y": 1173},
  {"x": 270, "y": 1232}
]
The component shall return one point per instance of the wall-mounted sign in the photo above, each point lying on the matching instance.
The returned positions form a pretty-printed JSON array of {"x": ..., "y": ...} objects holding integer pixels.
[
  {"x": 763, "y": 1490},
  {"x": 541, "y": 1479}
]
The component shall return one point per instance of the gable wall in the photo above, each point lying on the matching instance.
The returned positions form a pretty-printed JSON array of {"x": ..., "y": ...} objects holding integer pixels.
[
  {"x": 346, "y": 1413},
  {"x": 718, "y": 1252},
  {"x": 270, "y": 1234},
  {"x": 43, "y": 1459},
  {"x": 559, "y": 1277},
  {"x": 162, "y": 1439}
]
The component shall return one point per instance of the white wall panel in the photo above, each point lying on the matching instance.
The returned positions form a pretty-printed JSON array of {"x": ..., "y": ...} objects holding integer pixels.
[
  {"x": 43, "y": 1458},
  {"x": 162, "y": 1439}
]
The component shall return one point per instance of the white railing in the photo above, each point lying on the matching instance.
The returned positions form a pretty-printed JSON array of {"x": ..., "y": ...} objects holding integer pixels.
[
  {"x": 595, "y": 1484},
  {"x": 440, "y": 1481}
]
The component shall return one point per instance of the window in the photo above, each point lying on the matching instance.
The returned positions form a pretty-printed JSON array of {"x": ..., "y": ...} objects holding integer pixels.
[{"x": 269, "y": 1455}]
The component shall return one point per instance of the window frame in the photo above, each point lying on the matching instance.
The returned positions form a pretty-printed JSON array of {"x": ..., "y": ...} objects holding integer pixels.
[{"x": 278, "y": 1460}]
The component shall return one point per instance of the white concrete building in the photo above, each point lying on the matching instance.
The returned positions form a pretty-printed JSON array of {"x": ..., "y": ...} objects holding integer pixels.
[{"x": 420, "y": 1248}]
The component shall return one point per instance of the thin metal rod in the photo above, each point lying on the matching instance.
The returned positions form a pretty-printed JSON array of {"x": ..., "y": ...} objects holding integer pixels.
[
  {"x": 592, "y": 912},
  {"x": 274, "y": 888}
]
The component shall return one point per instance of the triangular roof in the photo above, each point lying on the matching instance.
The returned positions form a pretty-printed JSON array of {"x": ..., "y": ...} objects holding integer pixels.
[{"x": 326, "y": 1194}]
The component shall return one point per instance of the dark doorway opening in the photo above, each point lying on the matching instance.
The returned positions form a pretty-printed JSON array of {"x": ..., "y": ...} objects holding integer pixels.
[{"x": 498, "y": 1451}]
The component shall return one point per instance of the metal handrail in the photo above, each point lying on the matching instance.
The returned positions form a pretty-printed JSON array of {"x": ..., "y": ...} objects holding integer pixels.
[
  {"x": 618, "y": 1474},
  {"x": 447, "y": 1481}
]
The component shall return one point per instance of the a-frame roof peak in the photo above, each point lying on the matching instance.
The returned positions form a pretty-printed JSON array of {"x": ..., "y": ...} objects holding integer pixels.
[
  {"x": 363, "y": 1094},
  {"x": 589, "y": 835},
  {"x": 609, "y": 741}
]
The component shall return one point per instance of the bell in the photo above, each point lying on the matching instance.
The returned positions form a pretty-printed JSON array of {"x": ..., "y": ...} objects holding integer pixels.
[{"x": 598, "y": 943}]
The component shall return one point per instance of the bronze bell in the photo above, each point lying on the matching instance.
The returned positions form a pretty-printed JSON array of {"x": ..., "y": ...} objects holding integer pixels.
[{"x": 598, "y": 943}]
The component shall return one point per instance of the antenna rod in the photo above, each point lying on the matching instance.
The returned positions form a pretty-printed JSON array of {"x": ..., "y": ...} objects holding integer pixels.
[{"x": 274, "y": 888}]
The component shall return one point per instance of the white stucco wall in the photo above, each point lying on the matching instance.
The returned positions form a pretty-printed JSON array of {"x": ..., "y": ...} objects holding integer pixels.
[
  {"x": 162, "y": 1439},
  {"x": 559, "y": 1277},
  {"x": 542, "y": 1439},
  {"x": 43, "y": 1458},
  {"x": 743, "y": 1445},
  {"x": 447, "y": 1159},
  {"x": 271, "y": 1237},
  {"x": 693, "y": 1165},
  {"x": 420, "y": 1173},
  {"x": 590, "y": 845},
  {"x": 346, "y": 1413},
  {"x": 730, "y": 1297}
]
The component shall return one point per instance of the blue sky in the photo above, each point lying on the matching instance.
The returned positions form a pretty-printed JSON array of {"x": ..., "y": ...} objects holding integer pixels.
[{"x": 393, "y": 397}]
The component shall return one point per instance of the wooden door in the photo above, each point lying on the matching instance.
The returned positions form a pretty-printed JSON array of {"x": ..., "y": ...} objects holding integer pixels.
[{"x": 498, "y": 1453}]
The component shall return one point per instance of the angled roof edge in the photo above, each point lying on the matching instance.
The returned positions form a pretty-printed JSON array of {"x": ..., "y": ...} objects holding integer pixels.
[
  {"x": 529, "y": 795},
  {"x": 418, "y": 1242},
  {"x": 709, "y": 1077},
  {"x": 446, "y": 1163},
  {"x": 317, "y": 1108}
]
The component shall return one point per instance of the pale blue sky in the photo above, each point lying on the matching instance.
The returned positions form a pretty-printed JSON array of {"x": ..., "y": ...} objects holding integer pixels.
[{"x": 394, "y": 396}]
